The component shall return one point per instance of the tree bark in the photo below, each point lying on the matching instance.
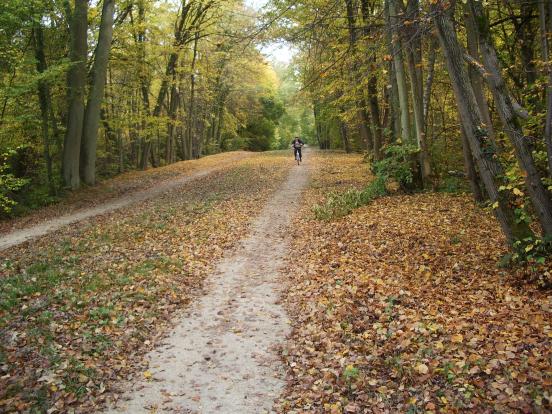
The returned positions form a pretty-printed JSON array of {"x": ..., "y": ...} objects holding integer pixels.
[
  {"x": 365, "y": 130},
  {"x": 399, "y": 71},
  {"x": 95, "y": 95},
  {"x": 372, "y": 84},
  {"x": 544, "y": 29},
  {"x": 45, "y": 102},
  {"x": 526, "y": 37},
  {"x": 481, "y": 148},
  {"x": 375, "y": 114},
  {"x": 317, "y": 124},
  {"x": 414, "y": 65},
  {"x": 395, "y": 121},
  {"x": 76, "y": 83},
  {"x": 429, "y": 81},
  {"x": 475, "y": 77},
  {"x": 344, "y": 135},
  {"x": 356, "y": 78},
  {"x": 533, "y": 181},
  {"x": 191, "y": 108},
  {"x": 171, "y": 136},
  {"x": 469, "y": 168}
]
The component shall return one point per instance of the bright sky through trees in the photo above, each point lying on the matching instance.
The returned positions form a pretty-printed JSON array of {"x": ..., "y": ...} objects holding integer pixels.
[{"x": 277, "y": 51}]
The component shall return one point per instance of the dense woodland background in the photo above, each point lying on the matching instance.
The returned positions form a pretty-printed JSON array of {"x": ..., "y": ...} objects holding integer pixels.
[
  {"x": 439, "y": 94},
  {"x": 89, "y": 89}
]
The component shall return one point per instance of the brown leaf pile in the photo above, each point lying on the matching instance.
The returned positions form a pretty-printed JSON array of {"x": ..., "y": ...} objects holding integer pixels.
[
  {"x": 400, "y": 307},
  {"x": 79, "y": 308}
]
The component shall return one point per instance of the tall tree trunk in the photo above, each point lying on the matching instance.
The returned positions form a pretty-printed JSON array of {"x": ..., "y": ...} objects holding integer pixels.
[
  {"x": 533, "y": 181},
  {"x": 191, "y": 108},
  {"x": 375, "y": 114},
  {"x": 76, "y": 84},
  {"x": 145, "y": 155},
  {"x": 372, "y": 82},
  {"x": 488, "y": 164},
  {"x": 399, "y": 71},
  {"x": 545, "y": 29},
  {"x": 171, "y": 136},
  {"x": 142, "y": 130},
  {"x": 429, "y": 81},
  {"x": 45, "y": 102},
  {"x": 356, "y": 78},
  {"x": 95, "y": 95},
  {"x": 394, "y": 104},
  {"x": 220, "y": 126},
  {"x": 141, "y": 43},
  {"x": 364, "y": 126},
  {"x": 414, "y": 64},
  {"x": 475, "y": 77},
  {"x": 527, "y": 37},
  {"x": 469, "y": 167},
  {"x": 344, "y": 135},
  {"x": 317, "y": 124}
]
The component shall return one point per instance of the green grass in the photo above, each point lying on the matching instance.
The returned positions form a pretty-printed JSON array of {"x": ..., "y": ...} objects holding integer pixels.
[{"x": 341, "y": 204}]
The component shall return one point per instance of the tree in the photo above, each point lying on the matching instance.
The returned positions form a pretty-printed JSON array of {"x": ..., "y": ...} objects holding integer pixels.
[
  {"x": 95, "y": 95},
  {"x": 76, "y": 83},
  {"x": 477, "y": 136},
  {"x": 508, "y": 114}
]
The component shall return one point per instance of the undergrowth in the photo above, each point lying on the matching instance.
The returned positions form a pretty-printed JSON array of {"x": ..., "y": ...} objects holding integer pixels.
[
  {"x": 397, "y": 166},
  {"x": 341, "y": 204}
]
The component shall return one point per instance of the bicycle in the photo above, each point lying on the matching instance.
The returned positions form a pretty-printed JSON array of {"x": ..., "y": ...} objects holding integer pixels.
[{"x": 297, "y": 157}]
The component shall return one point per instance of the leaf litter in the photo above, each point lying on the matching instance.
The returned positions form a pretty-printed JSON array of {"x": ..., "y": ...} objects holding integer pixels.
[
  {"x": 122, "y": 185},
  {"x": 81, "y": 306},
  {"x": 398, "y": 307},
  {"x": 401, "y": 307}
]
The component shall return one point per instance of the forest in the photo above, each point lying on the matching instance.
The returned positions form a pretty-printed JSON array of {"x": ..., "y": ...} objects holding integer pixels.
[
  {"x": 93, "y": 89},
  {"x": 439, "y": 94},
  {"x": 162, "y": 251}
]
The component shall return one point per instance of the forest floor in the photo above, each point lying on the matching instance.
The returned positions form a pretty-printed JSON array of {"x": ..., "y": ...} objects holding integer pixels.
[
  {"x": 225, "y": 294},
  {"x": 80, "y": 307},
  {"x": 401, "y": 307},
  {"x": 111, "y": 194}
]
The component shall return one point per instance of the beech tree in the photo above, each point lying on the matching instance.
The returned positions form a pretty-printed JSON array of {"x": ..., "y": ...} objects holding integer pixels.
[{"x": 76, "y": 84}]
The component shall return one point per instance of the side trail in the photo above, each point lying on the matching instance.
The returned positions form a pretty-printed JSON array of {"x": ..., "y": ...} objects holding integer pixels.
[
  {"x": 20, "y": 236},
  {"x": 222, "y": 356}
]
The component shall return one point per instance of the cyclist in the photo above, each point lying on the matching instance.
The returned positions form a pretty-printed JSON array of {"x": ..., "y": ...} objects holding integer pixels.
[{"x": 297, "y": 144}]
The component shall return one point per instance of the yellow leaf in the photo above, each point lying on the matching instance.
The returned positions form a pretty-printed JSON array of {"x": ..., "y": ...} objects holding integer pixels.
[
  {"x": 147, "y": 375},
  {"x": 422, "y": 368},
  {"x": 518, "y": 192},
  {"x": 457, "y": 338}
]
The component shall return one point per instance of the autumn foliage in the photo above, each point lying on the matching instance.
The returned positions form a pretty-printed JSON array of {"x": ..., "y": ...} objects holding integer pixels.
[
  {"x": 80, "y": 307},
  {"x": 401, "y": 307}
]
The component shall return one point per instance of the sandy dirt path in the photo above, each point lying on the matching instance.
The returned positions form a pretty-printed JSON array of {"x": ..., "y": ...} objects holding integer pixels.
[
  {"x": 222, "y": 355},
  {"x": 20, "y": 236}
]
